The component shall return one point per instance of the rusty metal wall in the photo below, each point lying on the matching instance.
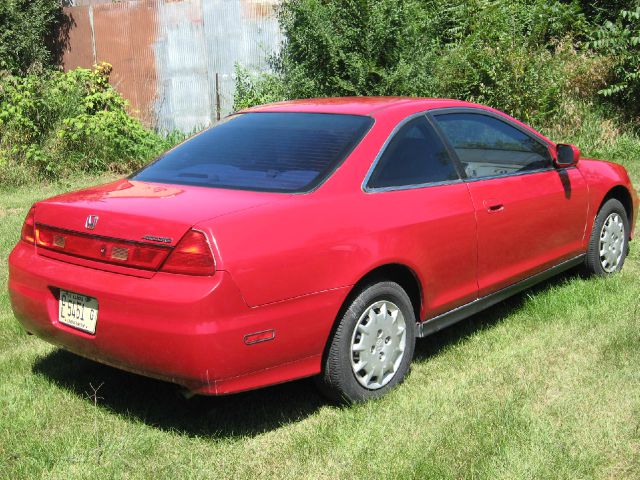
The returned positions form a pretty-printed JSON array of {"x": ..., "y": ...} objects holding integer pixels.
[{"x": 166, "y": 53}]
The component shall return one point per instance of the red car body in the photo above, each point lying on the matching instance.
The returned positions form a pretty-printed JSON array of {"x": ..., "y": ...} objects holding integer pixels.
[{"x": 286, "y": 263}]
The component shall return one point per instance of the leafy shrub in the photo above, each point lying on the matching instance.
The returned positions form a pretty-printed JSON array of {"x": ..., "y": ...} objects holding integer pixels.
[
  {"x": 55, "y": 123},
  {"x": 599, "y": 11},
  {"x": 620, "y": 40},
  {"x": 33, "y": 33},
  {"x": 503, "y": 53},
  {"x": 527, "y": 83},
  {"x": 345, "y": 48},
  {"x": 256, "y": 88}
]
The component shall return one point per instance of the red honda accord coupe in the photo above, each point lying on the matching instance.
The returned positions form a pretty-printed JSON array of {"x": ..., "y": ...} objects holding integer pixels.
[{"x": 315, "y": 237}]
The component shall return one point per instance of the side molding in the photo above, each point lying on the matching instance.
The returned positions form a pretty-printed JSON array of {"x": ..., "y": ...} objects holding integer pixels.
[{"x": 443, "y": 320}]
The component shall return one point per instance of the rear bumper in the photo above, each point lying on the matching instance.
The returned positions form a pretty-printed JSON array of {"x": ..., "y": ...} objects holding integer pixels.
[{"x": 186, "y": 330}]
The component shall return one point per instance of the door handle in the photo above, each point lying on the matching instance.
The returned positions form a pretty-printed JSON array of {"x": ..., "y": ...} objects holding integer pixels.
[{"x": 493, "y": 206}]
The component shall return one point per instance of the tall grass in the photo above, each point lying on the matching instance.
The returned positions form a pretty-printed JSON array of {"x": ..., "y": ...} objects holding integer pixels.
[{"x": 598, "y": 132}]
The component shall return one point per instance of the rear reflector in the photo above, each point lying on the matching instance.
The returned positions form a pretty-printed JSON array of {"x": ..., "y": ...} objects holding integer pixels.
[
  {"x": 28, "y": 233},
  {"x": 191, "y": 256},
  {"x": 102, "y": 249}
]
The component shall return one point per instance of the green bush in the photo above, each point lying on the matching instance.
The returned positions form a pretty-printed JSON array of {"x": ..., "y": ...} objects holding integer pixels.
[
  {"x": 55, "y": 124},
  {"x": 508, "y": 54},
  {"x": 256, "y": 89},
  {"x": 526, "y": 57},
  {"x": 620, "y": 40},
  {"x": 33, "y": 34}
]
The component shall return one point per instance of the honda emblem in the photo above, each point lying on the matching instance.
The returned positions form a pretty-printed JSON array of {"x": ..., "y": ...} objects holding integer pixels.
[{"x": 92, "y": 221}]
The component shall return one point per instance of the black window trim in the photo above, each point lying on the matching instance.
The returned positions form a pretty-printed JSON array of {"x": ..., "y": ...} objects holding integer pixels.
[
  {"x": 480, "y": 111},
  {"x": 454, "y": 159}
]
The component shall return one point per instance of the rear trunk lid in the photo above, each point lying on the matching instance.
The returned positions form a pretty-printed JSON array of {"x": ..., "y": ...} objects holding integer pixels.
[{"x": 136, "y": 213}]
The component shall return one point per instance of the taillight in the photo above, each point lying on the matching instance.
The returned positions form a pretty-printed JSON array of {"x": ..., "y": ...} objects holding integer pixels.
[
  {"x": 191, "y": 256},
  {"x": 101, "y": 249},
  {"x": 28, "y": 228}
]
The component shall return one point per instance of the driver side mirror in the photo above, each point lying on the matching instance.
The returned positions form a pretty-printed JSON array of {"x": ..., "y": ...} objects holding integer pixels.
[{"x": 567, "y": 155}]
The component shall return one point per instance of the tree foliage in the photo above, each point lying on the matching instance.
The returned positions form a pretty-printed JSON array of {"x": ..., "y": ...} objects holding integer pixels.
[
  {"x": 256, "y": 89},
  {"x": 521, "y": 56},
  {"x": 32, "y": 35},
  {"x": 620, "y": 40}
]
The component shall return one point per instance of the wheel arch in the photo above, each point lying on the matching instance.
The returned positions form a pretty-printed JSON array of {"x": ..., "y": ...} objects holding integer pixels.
[
  {"x": 622, "y": 194},
  {"x": 399, "y": 273}
]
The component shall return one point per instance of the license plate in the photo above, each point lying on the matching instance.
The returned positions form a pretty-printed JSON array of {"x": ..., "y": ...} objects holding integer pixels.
[{"x": 78, "y": 311}]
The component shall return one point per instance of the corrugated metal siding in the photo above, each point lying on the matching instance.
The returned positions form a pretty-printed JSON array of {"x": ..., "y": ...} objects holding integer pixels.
[
  {"x": 184, "y": 99},
  {"x": 166, "y": 53},
  {"x": 124, "y": 34},
  {"x": 79, "y": 50}
]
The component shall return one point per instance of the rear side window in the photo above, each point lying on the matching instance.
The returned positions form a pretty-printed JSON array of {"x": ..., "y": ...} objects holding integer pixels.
[
  {"x": 281, "y": 152},
  {"x": 488, "y": 147},
  {"x": 414, "y": 156}
]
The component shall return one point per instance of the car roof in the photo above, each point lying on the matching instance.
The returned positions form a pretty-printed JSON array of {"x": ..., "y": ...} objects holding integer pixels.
[
  {"x": 397, "y": 107},
  {"x": 359, "y": 105}
]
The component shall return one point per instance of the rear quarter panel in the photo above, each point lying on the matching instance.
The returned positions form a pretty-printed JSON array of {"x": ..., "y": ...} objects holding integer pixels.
[{"x": 276, "y": 253}]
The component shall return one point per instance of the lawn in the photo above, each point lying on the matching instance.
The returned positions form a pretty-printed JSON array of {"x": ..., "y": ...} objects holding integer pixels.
[{"x": 545, "y": 385}]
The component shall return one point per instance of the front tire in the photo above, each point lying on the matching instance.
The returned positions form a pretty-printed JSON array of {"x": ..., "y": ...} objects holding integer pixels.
[
  {"x": 609, "y": 242},
  {"x": 372, "y": 347}
]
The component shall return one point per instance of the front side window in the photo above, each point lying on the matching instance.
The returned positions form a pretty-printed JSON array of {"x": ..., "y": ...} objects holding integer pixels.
[
  {"x": 414, "y": 156},
  {"x": 488, "y": 147},
  {"x": 270, "y": 151}
]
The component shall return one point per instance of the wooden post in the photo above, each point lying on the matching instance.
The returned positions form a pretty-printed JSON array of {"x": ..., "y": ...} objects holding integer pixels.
[{"x": 217, "y": 98}]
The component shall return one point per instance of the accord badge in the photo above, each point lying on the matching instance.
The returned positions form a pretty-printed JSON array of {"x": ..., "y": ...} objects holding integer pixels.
[{"x": 153, "y": 238}]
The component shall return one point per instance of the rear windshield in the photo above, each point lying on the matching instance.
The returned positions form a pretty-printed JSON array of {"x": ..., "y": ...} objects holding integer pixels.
[{"x": 279, "y": 152}]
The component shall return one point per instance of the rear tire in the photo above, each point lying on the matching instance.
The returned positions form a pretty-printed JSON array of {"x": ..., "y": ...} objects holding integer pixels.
[
  {"x": 372, "y": 346},
  {"x": 609, "y": 241}
]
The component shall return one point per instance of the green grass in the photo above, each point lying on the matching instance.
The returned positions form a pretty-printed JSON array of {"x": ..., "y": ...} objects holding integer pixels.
[{"x": 545, "y": 385}]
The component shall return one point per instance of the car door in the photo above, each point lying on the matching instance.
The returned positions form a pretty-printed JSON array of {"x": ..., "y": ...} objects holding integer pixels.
[
  {"x": 425, "y": 213},
  {"x": 530, "y": 215}
]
